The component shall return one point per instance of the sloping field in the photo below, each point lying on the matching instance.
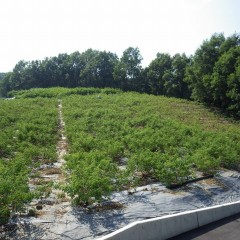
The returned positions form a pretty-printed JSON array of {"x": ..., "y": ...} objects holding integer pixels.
[
  {"x": 116, "y": 141},
  {"x": 123, "y": 140}
]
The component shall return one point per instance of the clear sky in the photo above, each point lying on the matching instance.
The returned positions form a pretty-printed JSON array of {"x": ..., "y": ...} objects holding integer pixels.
[{"x": 35, "y": 29}]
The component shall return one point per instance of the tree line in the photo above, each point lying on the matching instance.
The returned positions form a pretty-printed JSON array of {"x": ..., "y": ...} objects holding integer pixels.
[
  {"x": 2, "y": 76},
  {"x": 211, "y": 75}
]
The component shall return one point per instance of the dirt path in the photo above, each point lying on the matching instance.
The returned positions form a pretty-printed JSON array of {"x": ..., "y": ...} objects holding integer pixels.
[
  {"x": 55, "y": 203},
  {"x": 62, "y": 144},
  {"x": 54, "y": 211},
  {"x": 52, "y": 214}
]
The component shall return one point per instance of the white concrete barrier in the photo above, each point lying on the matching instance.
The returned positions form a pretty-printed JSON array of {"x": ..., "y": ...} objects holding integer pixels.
[
  {"x": 172, "y": 225},
  {"x": 213, "y": 214}
]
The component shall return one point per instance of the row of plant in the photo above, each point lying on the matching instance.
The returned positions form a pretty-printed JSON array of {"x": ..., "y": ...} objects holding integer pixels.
[
  {"x": 58, "y": 92},
  {"x": 162, "y": 138},
  {"x": 28, "y": 136}
]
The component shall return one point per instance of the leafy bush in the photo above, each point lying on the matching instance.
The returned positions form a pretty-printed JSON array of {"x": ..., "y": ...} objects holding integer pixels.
[
  {"x": 91, "y": 176},
  {"x": 28, "y": 134},
  {"x": 58, "y": 92},
  {"x": 165, "y": 138}
]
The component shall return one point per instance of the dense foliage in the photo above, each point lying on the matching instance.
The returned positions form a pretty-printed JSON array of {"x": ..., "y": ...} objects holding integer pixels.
[
  {"x": 116, "y": 141},
  {"x": 210, "y": 76},
  {"x": 165, "y": 76},
  {"x": 214, "y": 73},
  {"x": 58, "y": 92},
  {"x": 162, "y": 138},
  {"x": 1, "y": 81},
  {"x": 101, "y": 69},
  {"x": 28, "y": 133},
  {"x": 2, "y": 75}
]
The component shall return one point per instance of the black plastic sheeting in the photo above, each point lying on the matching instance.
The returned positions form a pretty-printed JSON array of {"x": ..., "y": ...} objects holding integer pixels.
[{"x": 144, "y": 202}]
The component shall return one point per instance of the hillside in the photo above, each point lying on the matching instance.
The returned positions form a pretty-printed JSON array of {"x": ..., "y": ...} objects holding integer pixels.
[{"x": 116, "y": 141}]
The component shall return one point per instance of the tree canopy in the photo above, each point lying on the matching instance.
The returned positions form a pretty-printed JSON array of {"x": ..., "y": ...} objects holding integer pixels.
[
  {"x": 213, "y": 75},
  {"x": 210, "y": 76},
  {"x": 2, "y": 75}
]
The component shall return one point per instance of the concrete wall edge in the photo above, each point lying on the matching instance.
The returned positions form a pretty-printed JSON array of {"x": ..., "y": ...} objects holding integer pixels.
[{"x": 203, "y": 216}]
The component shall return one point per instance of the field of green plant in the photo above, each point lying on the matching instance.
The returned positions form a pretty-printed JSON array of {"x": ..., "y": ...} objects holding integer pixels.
[
  {"x": 28, "y": 135},
  {"x": 58, "y": 92},
  {"x": 116, "y": 141},
  {"x": 166, "y": 139}
]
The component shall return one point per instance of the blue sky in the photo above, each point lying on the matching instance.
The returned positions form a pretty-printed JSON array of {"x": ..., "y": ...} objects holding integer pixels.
[{"x": 35, "y": 29}]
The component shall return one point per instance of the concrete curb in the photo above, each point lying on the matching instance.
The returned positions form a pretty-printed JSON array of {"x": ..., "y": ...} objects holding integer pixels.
[{"x": 172, "y": 225}]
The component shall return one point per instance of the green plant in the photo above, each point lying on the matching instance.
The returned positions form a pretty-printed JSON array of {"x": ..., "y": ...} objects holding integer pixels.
[
  {"x": 165, "y": 138},
  {"x": 28, "y": 135}
]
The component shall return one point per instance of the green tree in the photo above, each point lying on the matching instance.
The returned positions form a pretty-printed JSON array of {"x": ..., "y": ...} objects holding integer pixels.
[
  {"x": 159, "y": 72},
  {"x": 230, "y": 42},
  {"x": 2, "y": 75},
  {"x": 6, "y": 84},
  {"x": 225, "y": 82},
  {"x": 179, "y": 87},
  {"x": 74, "y": 69},
  {"x": 98, "y": 71},
  {"x": 87, "y": 72},
  {"x": 18, "y": 77},
  {"x": 128, "y": 70},
  {"x": 234, "y": 90},
  {"x": 198, "y": 74},
  {"x": 213, "y": 72}
]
